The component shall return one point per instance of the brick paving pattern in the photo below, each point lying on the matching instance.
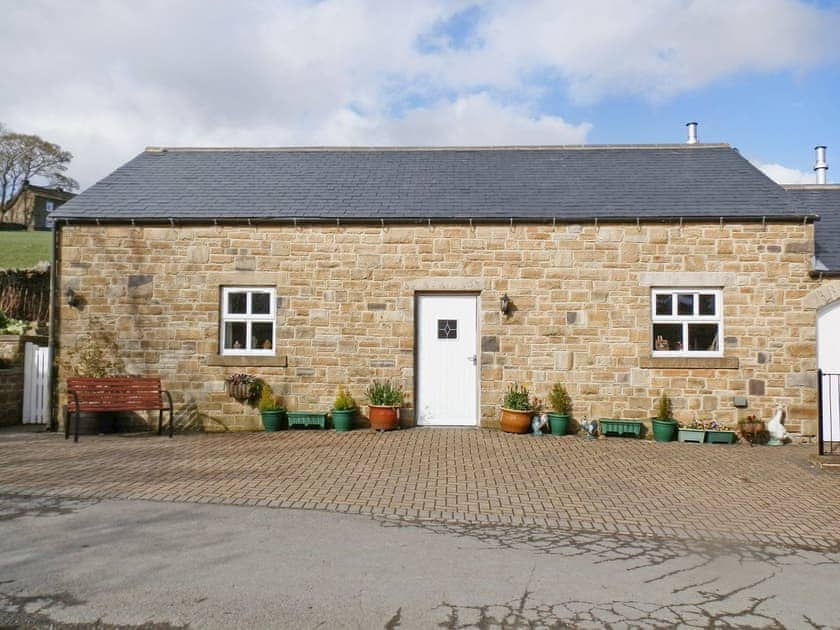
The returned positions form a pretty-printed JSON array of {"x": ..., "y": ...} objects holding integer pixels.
[{"x": 735, "y": 492}]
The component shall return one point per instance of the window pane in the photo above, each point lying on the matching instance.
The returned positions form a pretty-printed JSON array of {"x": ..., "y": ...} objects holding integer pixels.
[
  {"x": 703, "y": 337},
  {"x": 664, "y": 304},
  {"x": 237, "y": 303},
  {"x": 262, "y": 334},
  {"x": 685, "y": 304},
  {"x": 260, "y": 303},
  {"x": 235, "y": 335},
  {"x": 707, "y": 304},
  {"x": 667, "y": 337}
]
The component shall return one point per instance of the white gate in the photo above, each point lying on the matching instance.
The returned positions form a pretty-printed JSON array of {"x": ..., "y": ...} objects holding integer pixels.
[{"x": 36, "y": 384}]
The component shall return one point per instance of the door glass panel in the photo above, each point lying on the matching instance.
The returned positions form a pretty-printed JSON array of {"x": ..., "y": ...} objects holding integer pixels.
[
  {"x": 707, "y": 304},
  {"x": 235, "y": 333},
  {"x": 262, "y": 334},
  {"x": 667, "y": 337},
  {"x": 703, "y": 337},
  {"x": 664, "y": 304},
  {"x": 237, "y": 303},
  {"x": 685, "y": 304},
  {"x": 260, "y": 303},
  {"x": 447, "y": 328}
]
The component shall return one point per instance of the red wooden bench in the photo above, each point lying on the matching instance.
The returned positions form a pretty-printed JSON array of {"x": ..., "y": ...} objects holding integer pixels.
[{"x": 122, "y": 393}]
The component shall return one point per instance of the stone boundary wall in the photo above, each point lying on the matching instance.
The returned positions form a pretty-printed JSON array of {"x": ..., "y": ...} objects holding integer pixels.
[
  {"x": 346, "y": 309},
  {"x": 11, "y": 395}
]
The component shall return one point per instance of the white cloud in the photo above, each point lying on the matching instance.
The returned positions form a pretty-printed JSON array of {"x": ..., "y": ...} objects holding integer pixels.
[
  {"x": 125, "y": 74},
  {"x": 784, "y": 175}
]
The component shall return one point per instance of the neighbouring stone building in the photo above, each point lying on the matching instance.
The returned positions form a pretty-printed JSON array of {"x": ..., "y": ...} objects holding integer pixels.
[
  {"x": 629, "y": 270},
  {"x": 32, "y": 205}
]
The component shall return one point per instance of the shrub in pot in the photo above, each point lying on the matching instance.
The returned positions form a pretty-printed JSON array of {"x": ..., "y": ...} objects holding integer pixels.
[
  {"x": 664, "y": 425},
  {"x": 384, "y": 402},
  {"x": 516, "y": 409},
  {"x": 561, "y": 405},
  {"x": 271, "y": 409},
  {"x": 344, "y": 408}
]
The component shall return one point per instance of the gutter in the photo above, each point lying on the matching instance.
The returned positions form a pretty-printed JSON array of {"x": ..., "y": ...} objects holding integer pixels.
[{"x": 421, "y": 220}]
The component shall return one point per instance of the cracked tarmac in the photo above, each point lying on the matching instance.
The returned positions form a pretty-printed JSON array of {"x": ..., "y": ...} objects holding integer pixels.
[{"x": 76, "y": 563}]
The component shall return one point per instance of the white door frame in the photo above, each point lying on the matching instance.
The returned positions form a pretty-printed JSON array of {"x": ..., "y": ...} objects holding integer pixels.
[{"x": 417, "y": 297}]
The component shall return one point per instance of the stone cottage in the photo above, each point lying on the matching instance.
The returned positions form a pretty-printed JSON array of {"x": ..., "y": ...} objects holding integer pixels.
[
  {"x": 623, "y": 271},
  {"x": 32, "y": 205}
]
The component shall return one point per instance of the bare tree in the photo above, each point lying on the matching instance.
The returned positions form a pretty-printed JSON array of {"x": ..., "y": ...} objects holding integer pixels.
[{"x": 23, "y": 157}]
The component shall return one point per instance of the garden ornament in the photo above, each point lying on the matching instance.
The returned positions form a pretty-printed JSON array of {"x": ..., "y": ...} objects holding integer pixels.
[
  {"x": 775, "y": 427},
  {"x": 538, "y": 423},
  {"x": 590, "y": 426}
]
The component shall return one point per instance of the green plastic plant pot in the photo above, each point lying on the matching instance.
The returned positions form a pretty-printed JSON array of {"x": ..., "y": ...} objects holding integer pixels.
[
  {"x": 342, "y": 419},
  {"x": 272, "y": 420},
  {"x": 664, "y": 430},
  {"x": 559, "y": 423}
]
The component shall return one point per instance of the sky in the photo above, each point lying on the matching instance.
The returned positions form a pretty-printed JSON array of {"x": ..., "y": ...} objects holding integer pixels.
[{"x": 106, "y": 78}]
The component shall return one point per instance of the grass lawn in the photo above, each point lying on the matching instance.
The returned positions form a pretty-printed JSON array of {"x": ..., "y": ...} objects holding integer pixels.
[{"x": 20, "y": 250}]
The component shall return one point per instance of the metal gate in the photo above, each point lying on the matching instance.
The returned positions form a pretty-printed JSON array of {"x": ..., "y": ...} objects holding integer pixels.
[
  {"x": 36, "y": 384},
  {"x": 829, "y": 400}
]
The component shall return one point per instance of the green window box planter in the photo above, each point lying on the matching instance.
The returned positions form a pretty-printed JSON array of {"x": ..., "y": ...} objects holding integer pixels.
[
  {"x": 720, "y": 437},
  {"x": 663, "y": 430},
  {"x": 611, "y": 426},
  {"x": 691, "y": 435},
  {"x": 342, "y": 419},
  {"x": 307, "y": 419},
  {"x": 559, "y": 423},
  {"x": 273, "y": 419}
]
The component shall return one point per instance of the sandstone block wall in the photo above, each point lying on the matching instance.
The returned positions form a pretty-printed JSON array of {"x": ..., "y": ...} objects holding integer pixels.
[{"x": 581, "y": 295}]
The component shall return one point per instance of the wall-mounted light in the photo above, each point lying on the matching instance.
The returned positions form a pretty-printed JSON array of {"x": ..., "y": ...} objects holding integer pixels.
[
  {"x": 72, "y": 299},
  {"x": 505, "y": 304}
]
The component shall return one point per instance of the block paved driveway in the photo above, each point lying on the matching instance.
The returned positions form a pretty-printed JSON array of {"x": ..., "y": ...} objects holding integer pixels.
[{"x": 462, "y": 475}]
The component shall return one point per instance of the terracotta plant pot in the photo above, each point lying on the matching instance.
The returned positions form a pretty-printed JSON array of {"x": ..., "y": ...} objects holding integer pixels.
[
  {"x": 383, "y": 418},
  {"x": 516, "y": 421}
]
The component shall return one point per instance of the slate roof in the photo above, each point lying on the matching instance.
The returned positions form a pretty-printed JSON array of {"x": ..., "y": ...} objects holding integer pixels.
[
  {"x": 493, "y": 183},
  {"x": 825, "y": 201}
]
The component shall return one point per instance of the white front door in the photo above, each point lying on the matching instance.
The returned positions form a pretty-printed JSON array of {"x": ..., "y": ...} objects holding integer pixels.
[{"x": 447, "y": 360}]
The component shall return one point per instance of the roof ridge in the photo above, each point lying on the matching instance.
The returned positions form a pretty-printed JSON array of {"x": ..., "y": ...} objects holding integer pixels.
[
  {"x": 372, "y": 149},
  {"x": 811, "y": 186}
]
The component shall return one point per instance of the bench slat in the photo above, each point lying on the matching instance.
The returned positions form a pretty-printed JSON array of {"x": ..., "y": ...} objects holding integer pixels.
[{"x": 115, "y": 394}]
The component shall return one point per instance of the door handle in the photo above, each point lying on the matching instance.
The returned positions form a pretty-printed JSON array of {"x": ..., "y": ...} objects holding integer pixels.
[{"x": 473, "y": 359}]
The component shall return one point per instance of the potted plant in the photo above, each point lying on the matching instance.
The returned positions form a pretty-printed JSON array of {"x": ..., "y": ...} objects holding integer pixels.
[
  {"x": 516, "y": 409},
  {"x": 752, "y": 430},
  {"x": 695, "y": 432},
  {"x": 96, "y": 357},
  {"x": 664, "y": 425},
  {"x": 561, "y": 403},
  {"x": 384, "y": 402},
  {"x": 271, "y": 408},
  {"x": 719, "y": 433},
  {"x": 344, "y": 408}
]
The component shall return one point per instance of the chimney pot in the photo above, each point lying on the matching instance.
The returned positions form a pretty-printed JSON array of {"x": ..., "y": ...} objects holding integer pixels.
[
  {"x": 821, "y": 166},
  {"x": 692, "y": 133}
]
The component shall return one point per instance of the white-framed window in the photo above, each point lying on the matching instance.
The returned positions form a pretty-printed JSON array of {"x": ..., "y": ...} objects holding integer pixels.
[
  {"x": 247, "y": 321},
  {"x": 686, "y": 322}
]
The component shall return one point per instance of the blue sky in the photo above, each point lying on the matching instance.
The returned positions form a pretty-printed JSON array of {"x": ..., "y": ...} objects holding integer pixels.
[{"x": 761, "y": 75}]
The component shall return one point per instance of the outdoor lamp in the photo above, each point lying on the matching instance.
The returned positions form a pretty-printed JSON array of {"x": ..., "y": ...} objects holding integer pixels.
[
  {"x": 72, "y": 298},
  {"x": 505, "y": 304}
]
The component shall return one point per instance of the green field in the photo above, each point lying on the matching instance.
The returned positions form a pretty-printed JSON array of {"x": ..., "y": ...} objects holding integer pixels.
[{"x": 21, "y": 250}]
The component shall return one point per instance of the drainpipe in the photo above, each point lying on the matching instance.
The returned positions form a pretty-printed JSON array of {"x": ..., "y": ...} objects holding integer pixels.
[{"x": 51, "y": 397}]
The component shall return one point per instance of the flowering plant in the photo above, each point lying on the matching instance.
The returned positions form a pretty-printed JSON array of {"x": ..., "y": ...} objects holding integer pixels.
[{"x": 243, "y": 386}]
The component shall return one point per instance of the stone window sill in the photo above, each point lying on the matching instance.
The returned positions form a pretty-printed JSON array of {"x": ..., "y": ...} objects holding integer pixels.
[
  {"x": 710, "y": 363},
  {"x": 240, "y": 361}
]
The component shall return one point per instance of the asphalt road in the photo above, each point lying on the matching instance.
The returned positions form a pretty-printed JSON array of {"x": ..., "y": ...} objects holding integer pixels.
[{"x": 131, "y": 564}]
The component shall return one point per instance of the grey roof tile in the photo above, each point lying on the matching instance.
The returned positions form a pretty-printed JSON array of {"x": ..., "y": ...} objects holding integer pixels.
[
  {"x": 824, "y": 201},
  {"x": 566, "y": 183}
]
